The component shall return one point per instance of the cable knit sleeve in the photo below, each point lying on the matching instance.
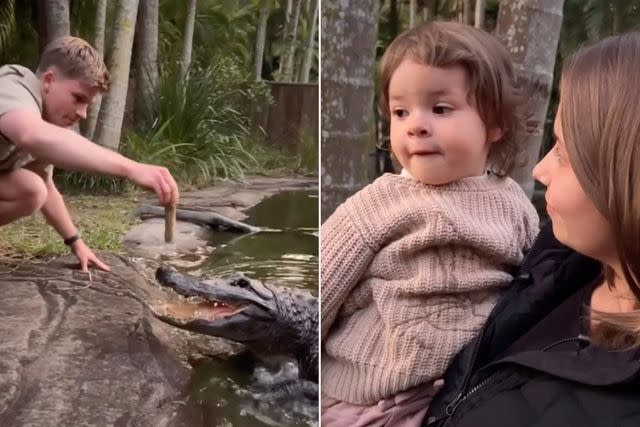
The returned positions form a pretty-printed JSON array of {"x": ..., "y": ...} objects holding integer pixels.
[{"x": 345, "y": 257}]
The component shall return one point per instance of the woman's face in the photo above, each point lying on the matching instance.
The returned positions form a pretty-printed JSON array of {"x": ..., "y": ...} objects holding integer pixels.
[{"x": 576, "y": 221}]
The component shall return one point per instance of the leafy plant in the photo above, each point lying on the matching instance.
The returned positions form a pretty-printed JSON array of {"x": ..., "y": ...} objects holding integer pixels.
[{"x": 202, "y": 129}]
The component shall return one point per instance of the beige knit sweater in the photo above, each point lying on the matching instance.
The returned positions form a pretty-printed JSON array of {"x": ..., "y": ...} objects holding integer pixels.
[{"x": 409, "y": 273}]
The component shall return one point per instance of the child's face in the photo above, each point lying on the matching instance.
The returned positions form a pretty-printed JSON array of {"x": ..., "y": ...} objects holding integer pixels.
[
  {"x": 65, "y": 100},
  {"x": 436, "y": 134}
]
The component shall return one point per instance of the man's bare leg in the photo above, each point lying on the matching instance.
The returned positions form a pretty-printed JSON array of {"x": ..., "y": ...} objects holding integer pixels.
[{"x": 22, "y": 193}]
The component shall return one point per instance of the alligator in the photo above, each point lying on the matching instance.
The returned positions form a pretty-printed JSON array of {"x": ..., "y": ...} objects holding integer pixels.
[{"x": 269, "y": 320}]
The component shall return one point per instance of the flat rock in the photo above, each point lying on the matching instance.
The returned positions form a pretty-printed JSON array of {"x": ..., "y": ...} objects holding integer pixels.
[{"x": 90, "y": 353}]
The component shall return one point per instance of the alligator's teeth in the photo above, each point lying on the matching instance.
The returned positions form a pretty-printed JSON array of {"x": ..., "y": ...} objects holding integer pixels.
[{"x": 215, "y": 304}]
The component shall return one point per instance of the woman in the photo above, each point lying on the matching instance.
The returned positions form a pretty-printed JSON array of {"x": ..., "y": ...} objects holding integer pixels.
[{"x": 562, "y": 348}]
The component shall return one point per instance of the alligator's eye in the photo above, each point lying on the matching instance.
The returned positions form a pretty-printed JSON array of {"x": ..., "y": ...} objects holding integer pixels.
[{"x": 242, "y": 282}]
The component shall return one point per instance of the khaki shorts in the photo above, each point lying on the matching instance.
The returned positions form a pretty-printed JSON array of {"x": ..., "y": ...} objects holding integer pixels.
[{"x": 27, "y": 162}]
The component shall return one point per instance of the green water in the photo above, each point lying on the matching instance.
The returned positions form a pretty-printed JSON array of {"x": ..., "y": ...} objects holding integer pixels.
[{"x": 285, "y": 254}]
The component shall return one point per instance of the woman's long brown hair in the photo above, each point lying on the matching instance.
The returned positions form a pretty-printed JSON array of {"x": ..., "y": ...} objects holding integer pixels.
[{"x": 600, "y": 114}]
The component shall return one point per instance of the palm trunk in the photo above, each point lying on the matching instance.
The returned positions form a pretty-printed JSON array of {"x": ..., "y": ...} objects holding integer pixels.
[
  {"x": 479, "y": 18},
  {"x": 531, "y": 29},
  {"x": 109, "y": 126},
  {"x": 348, "y": 45},
  {"x": 293, "y": 40},
  {"x": 57, "y": 16},
  {"x": 145, "y": 60},
  {"x": 285, "y": 35},
  {"x": 467, "y": 15},
  {"x": 187, "y": 43},
  {"x": 308, "y": 57},
  {"x": 429, "y": 10},
  {"x": 98, "y": 43},
  {"x": 412, "y": 13},
  {"x": 261, "y": 39}
]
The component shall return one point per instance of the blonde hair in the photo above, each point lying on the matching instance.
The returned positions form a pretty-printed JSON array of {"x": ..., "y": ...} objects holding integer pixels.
[
  {"x": 599, "y": 113},
  {"x": 76, "y": 59},
  {"x": 492, "y": 82}
]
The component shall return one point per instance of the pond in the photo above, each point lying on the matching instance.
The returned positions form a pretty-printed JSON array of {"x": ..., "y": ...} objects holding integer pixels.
[{"x": 285, "y": 253}]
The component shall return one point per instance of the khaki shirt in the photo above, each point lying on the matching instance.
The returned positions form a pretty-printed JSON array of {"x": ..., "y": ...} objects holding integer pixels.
[{"x": 19, "y": 89}]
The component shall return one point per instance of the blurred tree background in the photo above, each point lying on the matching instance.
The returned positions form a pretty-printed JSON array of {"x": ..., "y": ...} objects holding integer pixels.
[{"x": 547, "y": 32}]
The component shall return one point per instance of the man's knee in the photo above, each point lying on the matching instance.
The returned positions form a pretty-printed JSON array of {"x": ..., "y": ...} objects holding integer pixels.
[
  {"x": 34, "y": 196},
  {"x": 29, "y": 192}
]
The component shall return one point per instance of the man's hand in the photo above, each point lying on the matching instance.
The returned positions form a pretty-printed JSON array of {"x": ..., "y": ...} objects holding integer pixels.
[
  {"x": 158, "y": 179},
  {"x": 87, "y": 257}
]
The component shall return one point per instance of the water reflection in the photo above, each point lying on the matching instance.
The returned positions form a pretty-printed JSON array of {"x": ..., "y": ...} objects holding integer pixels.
[{"x": 286, "y": 253}]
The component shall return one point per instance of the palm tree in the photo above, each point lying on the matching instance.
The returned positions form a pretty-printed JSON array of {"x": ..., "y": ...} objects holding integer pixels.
[
  {"x": 145, "y": 59},
  {"x": 261, "y": 37},
  {"x": 109, "y": 126},
  {"x": 57, "y": 19},
  {"x": 413, "y": 5},
  {"x": 531, "y": 29},
  {"x": 292, "y": 41},
  {"x": 187, "y": 43},
  {"x": 98, "y": 42},
  {"x": 348, "y": 39},
  {"x": 479, "y": 13},
  {"x": 309, "y": 51}
]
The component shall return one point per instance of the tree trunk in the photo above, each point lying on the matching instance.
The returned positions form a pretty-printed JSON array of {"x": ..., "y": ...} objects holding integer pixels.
[
  {"x": 467, "y": 12},
  {"x": 261, "y": 38},
  {"x": 618, "y": 16},
  {"x": 187, "y": 43},
  {"x": 530, "y": 29},
  {"x": 109, "y": 127},
  {"x": 292, "y": 42},
  {"x": 98, "y": 43},
  {"x": 308, "y": 57},
  {"x": 349, "y": 34},
  {"x": 479, "y": 18},
  {"x": 429, "y": 10},
  {"x": 145, "y": 60},
  {"x": 412, "y": 13},
  {"x": 57, "y": 16},
  {"x": 285, "y": 35}
]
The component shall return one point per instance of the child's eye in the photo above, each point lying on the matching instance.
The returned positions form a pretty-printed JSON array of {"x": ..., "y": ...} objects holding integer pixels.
[
  {"x": 400, "y": 113},
  {"x": 556, "y": 149},
  {"x": 441, "y": 109}
]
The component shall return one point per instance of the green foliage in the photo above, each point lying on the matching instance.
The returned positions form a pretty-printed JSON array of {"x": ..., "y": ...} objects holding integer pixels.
[
  {"x": 222, "y": 28},
  {"x": 203, "y": 127},
  {"x": 18, "y": 35},
  {"x": 7, "y": 23}
]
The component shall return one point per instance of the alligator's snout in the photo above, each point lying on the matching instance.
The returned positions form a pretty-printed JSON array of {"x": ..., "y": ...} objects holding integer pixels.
[{"x": 241, "y": 282}]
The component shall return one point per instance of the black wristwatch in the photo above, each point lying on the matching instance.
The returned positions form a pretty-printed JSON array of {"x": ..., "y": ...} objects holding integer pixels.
[{"x": 71, "y": 240}]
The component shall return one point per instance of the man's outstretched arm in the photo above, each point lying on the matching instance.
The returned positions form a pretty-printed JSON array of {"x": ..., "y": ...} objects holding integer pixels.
[{"x": 68, "y": 150}]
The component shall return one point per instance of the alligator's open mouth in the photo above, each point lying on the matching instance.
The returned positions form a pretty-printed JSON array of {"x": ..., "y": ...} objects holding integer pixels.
[{"x": 195, "y": 308}]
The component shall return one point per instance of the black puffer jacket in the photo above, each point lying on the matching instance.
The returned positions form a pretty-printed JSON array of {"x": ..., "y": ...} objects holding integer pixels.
[{"x": 562, "y": 385}]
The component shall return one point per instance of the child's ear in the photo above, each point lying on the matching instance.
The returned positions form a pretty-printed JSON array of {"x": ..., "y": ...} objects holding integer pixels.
[{"x": 494, "y": 135}]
